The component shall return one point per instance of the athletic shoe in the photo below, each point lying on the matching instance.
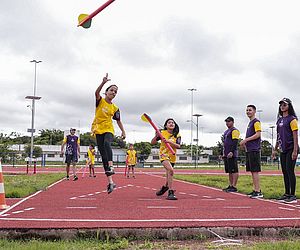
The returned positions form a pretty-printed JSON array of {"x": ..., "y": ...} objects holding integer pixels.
[
  {"x": 110, "y": 171},
  {"x": 133, "y": 177},
  {"x": 111, "y": 187},
  {"x": 225, "y": 189},
  {"x": 282, "y": 198},
  {"x": 171, "y": 195},
  {"x": 94, "y": 176},
  {"x": 250, "y": 194},
  {"x": 257, "y": 195},
  {"x": 75, "y": 178},
  {"x": 162, "y": 190},
  {"x": 127, "y": 176},
  {"x": 67, "y": 178},
  {"x": 231, "y": 189},
  {"x": 290, "y": 199}
]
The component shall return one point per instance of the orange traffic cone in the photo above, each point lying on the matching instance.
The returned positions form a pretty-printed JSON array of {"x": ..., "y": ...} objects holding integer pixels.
[{"x": 2, "y": 193}]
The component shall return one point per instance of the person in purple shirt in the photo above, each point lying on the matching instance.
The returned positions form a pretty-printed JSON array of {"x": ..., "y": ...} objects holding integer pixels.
[
  {"x": 72, "y": 152},
  {"x": 252, "y": 146},
  {"x": 230, "y": 154},
  {"x": 287, "y": 143}
]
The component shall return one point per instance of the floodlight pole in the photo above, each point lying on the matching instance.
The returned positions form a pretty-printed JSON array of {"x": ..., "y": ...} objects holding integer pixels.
[{"x": 33, "y": 98}]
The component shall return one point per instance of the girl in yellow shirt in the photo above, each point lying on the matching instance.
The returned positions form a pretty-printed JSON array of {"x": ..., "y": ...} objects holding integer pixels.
[
  {"x": 103, "y": 129},
  {"x": 131, "y": 160},
  {"x": 91, "y": 160},
  {"x": 171, "y": 135}
]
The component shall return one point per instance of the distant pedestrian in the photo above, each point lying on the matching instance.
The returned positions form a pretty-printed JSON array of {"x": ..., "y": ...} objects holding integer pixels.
[
  {"x": 91, "y": 160},
  {"x": 230, "y": 154},
  {"x": 287, "y": 143},
  {"x": 131, "y": 160},
  {"x": 72, "y": 152}
]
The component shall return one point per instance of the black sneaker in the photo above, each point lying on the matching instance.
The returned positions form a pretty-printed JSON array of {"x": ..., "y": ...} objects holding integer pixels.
[
  {"x": 225, "y": 189},
  {"x": 171, "y": 195},
  {"x": 111, "y": 187},
  {"x": 250, "y": 194},
  {"x": 231, "y": 189},
  {"x": 67, "y": 178},
  {"x": 256, "y": 195},
  {"x": 75, "y": 178},
  {"x": 162, "y": 190},
  {"x": 110, "y": 171},
  {"x": 290, "y": 199},
  {"x": 282, "y": 198}
]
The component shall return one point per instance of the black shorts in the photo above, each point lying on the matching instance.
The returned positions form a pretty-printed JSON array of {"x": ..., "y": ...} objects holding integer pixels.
[
  {"x": 253, "y": 162},
  {"x": 231, "y": 165},
  {"x": 71, "y": 159},
  {"x": 131, "y": 166}
]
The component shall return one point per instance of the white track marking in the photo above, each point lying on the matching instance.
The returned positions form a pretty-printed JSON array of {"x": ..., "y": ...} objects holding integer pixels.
[
  {"x": 161, "y": 207},
  {"x": 151, "y": 220},
  {"x": 149, "y": 199},
  {"x": 237, "y": 207},
  {"x": 81, "y": 207},
  {"x": 285, "y": 208}
]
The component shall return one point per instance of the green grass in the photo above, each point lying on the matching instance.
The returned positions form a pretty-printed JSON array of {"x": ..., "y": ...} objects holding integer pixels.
[
  {"x": 89, "y": 244},
  {"x": 19, "y": 186},
  {"x": 271, "y": 186}
]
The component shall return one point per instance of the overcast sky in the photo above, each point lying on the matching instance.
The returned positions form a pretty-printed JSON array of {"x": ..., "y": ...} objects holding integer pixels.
[{"x": 233, "y": 52}]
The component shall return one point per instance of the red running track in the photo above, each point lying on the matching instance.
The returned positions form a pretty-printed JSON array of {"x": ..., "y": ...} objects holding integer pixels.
[{"x": 85, "y": 204}]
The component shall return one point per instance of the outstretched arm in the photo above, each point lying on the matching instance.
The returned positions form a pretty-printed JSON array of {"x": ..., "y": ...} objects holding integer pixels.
[
  {"x": 98, "y": 90},
  {"x": 120, "y": 124}
]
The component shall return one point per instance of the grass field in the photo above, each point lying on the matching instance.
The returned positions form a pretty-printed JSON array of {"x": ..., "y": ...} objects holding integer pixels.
[
  {"x": 19, "y": 186},
  {"x": 271, "y": 186},
  {"x": 137, "y": 245}
]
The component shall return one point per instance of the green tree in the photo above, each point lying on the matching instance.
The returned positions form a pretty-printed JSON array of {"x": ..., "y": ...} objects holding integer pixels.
[
  {"x": 143, "y": 148},
  {"x": 86, "y": 139},
  {"x": 4, "y": 151},
  {"x": 49, "y": 137},
  {"x": 37, "y": 151},
  {"x": 266, "y": 148}
]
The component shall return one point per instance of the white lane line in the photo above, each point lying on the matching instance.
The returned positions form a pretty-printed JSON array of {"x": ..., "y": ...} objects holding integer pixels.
[
  {"x": 205, "y": 196},
  {"x": 97, "y": 192},
  {"x": 220, "y": 199},
  {"x": 154, "y": 189},
  {"x": 146, "y": 188},
  {"x": 152, "y": 220},
  {"x": 18, "y": 212},
  {"x": 28, "y": 209},
  {"x": 237, "y": 207},
  {"x": 150, "y": 199},
  {"x": 285, "y": 208},
  {"x": 195, "y": 195},
  {"x": 5, "y": 215},
  {"x": 182, "y": 193},
  {"x": 161, "y": 207},
  {"x": 81, "y": 207}
]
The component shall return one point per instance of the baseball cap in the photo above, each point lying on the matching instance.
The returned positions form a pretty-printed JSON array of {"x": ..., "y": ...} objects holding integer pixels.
[
  {"x": 229, "y": 119},
  {"x": 72, "y": 129},
  {"x": 285, "y": 100}
]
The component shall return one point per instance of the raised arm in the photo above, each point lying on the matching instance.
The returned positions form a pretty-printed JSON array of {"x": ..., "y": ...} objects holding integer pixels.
[{"x": 98, "y": 90}]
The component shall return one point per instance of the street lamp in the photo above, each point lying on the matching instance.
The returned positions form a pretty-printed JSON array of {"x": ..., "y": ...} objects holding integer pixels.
[
  {"x": 197, "y": 149},
  {"x": 259, "y": 111},
  {"x": 33, "y": 98},
  {"x": 272, "y": 135},
  {"x": 192, "y": 111}
]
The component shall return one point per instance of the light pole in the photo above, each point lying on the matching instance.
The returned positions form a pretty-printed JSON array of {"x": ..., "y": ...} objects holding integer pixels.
[
  {"x": 259, "y": 111},
  {"x": 197, "y": 149},
  {"x": 192, "y": 111},
  {"x": 272, "y": 135},
  {"x": 33, "y": 98}
]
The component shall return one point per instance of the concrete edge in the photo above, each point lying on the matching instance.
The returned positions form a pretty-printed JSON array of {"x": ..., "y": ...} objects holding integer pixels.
[{"x": 202, "y": 233}]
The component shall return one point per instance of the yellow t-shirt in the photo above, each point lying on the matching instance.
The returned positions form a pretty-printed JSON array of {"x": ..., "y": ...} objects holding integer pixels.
[
  {"x": 164, "y": 152},
  {"x": 257, "y": 127},
  {"x": 103, "y": 117},
  {"x": 131, "y": 157},
  {"x": 91, "y": 154}
]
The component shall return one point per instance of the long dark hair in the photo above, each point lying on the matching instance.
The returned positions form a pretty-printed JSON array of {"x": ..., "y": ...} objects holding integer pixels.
[
  {"x": 110, "y": 87},
  {"x": 291, "y": 110},
  {"x": 176, "y": 128}
]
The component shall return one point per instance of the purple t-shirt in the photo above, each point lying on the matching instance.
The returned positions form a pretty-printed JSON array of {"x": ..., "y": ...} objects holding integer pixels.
[
  {"x": 72, "y": 144},
  {"x": 254, "y": 145},
  {"x": 284, "y": 133},
  {"x": 229, "y": 143}
]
